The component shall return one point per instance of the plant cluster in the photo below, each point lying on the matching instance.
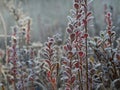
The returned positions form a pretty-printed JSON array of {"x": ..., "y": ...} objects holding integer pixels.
[{"x": 81, "y": 63}]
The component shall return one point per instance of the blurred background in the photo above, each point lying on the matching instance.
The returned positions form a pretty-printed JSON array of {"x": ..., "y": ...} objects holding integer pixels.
[{"x": 50, "y": 17}]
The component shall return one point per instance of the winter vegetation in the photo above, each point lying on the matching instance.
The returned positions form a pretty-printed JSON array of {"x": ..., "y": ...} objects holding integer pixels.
[{"x": 77, "y": 58}]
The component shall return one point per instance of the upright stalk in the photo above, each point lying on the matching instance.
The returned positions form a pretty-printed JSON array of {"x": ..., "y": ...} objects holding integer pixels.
[
  {"x": 86, "y": 31},
  {"x": 70, "y": 73}
]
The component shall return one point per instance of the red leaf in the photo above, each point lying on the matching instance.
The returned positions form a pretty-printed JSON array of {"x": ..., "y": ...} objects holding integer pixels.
[
  {"x": 85, "y": 35},
  {"x": 78, "y": 33},
  {"x": 109, "y": 14},
  {"x": 65, "y": 48},
  {"x": 46, "y": 55},
  {"x": 118, "y": 56},
  {"x": 73, "y": 79},
  {"x": 78, "y": 16},
  {"x": 41, "y": 66},
  {"x": 67, "y": 69},
  {"x": 80, "y": 11},
  {"x": 69, "y": 47},
  {"x": 51, "y": 39},
  {"x": 81, "y": 53},
  {"x": 53, "y": 80},
  {"x": 89, "y": 13},
  {"x": 77, "y": 64},
  {"x": 49, "y": 74},
  {"x": 14, "y": 71},
  {"x": 109, "y": 32},
  {"x": 31, "y": 78},
  {"x": 53, "y": 66},
  {"x": 69, "y": 30},
  {"x": 83, "y": 5},
  {"x": 49, "y": 44},
  {"x": 64, "y": 62},
  {"x": 84, "y": 22},
  {"x": 99, "y": 42},
  {"x": 76, "y": 6},
  {"x": 79, "y": 23},
  {"x": 70, "y": 54},
  {"x": 71, "y": 26},
  {"x": 48, "y": 62},
  {"x": 72, "y": 37},
  {"x": 67, "y": 73},
  {"x": 67, "y": 85},
  {"x": 68, "y": 82},
  {"x": 47, "y": 50}
]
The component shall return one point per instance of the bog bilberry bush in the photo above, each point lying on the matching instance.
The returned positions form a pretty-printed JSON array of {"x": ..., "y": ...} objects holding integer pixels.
[
  {"x": 106, "y": 57},
  {"x": 77, "y": 46},
  {"x": 81, "y": 63}
]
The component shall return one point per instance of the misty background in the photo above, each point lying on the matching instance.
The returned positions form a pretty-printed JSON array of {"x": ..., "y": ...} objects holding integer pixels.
[{"x": 50, "y": 17}]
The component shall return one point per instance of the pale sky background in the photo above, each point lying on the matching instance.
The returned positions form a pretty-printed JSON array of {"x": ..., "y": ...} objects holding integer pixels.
[{"x": 50, "y": 16}]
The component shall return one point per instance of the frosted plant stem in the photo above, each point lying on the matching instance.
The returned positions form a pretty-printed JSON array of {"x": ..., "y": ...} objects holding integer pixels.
[{"x": 86, "y": 31}]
